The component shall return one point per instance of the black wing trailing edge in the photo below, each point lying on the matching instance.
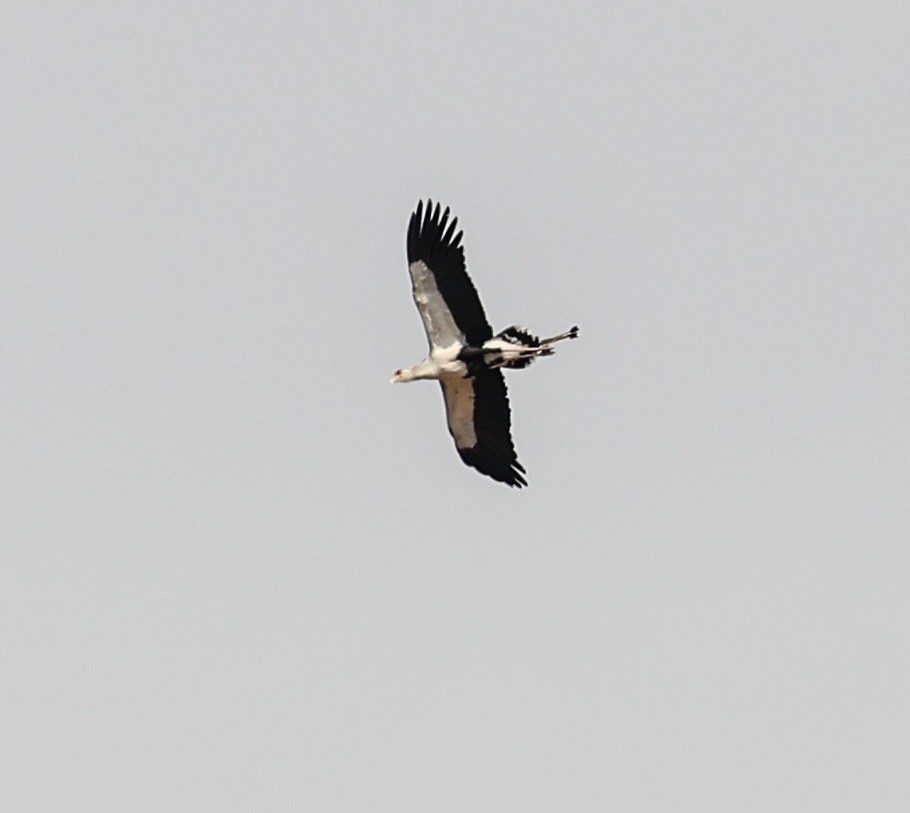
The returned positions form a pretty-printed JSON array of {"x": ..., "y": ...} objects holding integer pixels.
[
  {"x": 494, "y": 452},
  {"x": 432, "y": 239}
]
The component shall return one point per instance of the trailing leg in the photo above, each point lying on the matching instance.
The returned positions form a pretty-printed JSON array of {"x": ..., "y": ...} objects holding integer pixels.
[{"x": 571, "y": 333}]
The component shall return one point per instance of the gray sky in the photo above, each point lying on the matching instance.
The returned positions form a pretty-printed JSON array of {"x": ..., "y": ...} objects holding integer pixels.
[{"x": 240, "y": 571}]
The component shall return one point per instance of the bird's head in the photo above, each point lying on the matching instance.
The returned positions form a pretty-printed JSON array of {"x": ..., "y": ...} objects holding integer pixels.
[{"x": 407, "y": 374}]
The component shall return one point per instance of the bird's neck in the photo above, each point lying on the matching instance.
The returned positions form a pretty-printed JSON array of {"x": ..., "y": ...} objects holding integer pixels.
[{"x": 422, "y": 370}]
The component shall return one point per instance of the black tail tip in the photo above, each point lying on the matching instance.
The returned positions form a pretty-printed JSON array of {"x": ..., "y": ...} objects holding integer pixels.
[{"x": 573, "y": 332}]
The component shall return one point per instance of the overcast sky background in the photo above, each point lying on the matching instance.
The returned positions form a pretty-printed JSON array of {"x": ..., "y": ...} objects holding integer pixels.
[{"x": 241, "y": 571}]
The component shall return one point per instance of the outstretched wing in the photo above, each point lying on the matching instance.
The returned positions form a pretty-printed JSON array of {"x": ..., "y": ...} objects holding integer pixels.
[
  {"x": 443, "y": 291},
  {"x": 477, "y": 410}
]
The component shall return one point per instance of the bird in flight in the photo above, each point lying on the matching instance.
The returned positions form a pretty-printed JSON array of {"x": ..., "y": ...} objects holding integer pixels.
[{"x": 465, "y": 357}]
